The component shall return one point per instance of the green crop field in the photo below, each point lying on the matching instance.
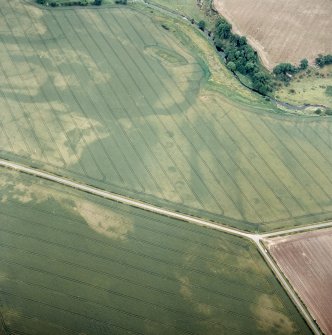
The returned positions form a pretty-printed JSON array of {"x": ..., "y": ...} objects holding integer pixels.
[
  {"x": 131, "y": 101},
  {"x": 71, "y": 263}
]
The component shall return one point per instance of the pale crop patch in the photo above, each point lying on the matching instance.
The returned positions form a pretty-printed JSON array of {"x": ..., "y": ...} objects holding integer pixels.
[
  {"x": 104, "y": 221},
  {"x": 52, "y": 120},
  {"x": 187, "y": 293},
  {"x": 25, "y": 12},
  {"x": 101, "y": 219},
  {"x": 70, "y": 57},
  {"x": 19, "y": 190},
  {"x": 271, "y": 321}
]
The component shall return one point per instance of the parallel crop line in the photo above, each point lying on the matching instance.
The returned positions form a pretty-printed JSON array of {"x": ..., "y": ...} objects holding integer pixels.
[
  {"x": 189, "y": 122},
  {"x": 212, "y": 132},
  {"x": 55, "y": 89},
  {"x": 178, "y": 146},
  {"x": 294, "y": 157},
  {"x": 66, "y": 310},
  {"x": 125, "y": 296},
  {"x": 153, "y": 221},
  {"x": 130, "y": 252},
  {"x": 31, "y": 95},
  {"x": 223, "y": 310}
]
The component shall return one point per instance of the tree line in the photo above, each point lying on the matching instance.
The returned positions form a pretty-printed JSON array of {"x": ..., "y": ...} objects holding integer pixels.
[
  {"x": 284, "y": 71},
  {"x": 241, "y": 57}
]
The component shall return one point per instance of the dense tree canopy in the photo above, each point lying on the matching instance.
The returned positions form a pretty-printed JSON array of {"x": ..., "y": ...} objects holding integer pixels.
[
  {"x": 223, "y": 28},
  {"x": 240, "y": 56},
  {"x": 323, "y": 60},
  {"x": 284, "y": 68},
  {"x": 304, "y": 64}
]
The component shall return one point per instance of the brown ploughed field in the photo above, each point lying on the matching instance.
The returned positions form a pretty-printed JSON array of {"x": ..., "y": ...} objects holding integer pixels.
[
  {"x": 282, "y": 30},
  {"x": 306, "y": 261}
]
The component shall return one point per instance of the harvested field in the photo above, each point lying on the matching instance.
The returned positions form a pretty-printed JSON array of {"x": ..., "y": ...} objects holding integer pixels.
[
  {"x": 305, "y": 259},
  {"x": 112, "y": 98},
  {"x": 282, "y": 30},
  {"x": 72, "y": 263}
]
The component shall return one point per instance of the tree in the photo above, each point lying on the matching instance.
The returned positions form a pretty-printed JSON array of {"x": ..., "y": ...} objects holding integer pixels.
[
  {"x": 41, "y": 2},
  {"x": 242, "y": 40},
  {"x": 283, "y": 71},
  {"x": 250, "y": 67},
  {"x": 230, "y": 52},
  {"x": 323, "y": 60},
  {"x": 201, "y": 25},
  {"x": 231, "y": 66},
  {"x": 284, "y": 68},
  {"x": 238, "y": 40},
  {"x": 261, "y": 82},
  {"x": 303, "y": 64},
  {"x": 328, "y": 59},
  {"x": 251, "y": 54},
  {"x": 219, "y": 44},
  {"x": 223, "y": 28},
  {"x": 98, "y": 2},
  {"x": 320, "y": 61}
]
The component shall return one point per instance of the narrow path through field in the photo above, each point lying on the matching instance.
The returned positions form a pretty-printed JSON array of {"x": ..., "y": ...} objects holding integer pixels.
[{"x": 255, "y": 238}]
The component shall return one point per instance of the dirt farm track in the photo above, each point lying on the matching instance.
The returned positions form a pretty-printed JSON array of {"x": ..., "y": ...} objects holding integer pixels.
[
  {"x": 282, "y": 30},
  {"x": 305, "y": 259}
]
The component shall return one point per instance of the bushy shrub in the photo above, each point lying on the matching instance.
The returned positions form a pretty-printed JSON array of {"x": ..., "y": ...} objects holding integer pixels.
[
  {"x": 303, "y": 64},
  {"x": 201, "y": 25}
]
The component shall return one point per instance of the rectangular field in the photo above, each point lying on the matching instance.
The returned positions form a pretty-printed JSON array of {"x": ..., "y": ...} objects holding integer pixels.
[
  {"x": 305, "y": 259},
  {"x": 71, "y": 263},
  {"x": 112, "y": 98}
]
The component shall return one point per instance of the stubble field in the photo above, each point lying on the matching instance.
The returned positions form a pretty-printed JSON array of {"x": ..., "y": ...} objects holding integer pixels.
[
  {"x": 282, "y": 30},
  {"x": 71, "y": 263},
  {"x": 112, "y": 98},
  {"x": 305, "y": 259}
]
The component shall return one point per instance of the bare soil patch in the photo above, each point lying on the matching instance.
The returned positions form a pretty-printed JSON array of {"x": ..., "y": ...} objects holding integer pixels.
[
  {"x": 305, "y": 259},
  {"x": 282, "y": 30}
]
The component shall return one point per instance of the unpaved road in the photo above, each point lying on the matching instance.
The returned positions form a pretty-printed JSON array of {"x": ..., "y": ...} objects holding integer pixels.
[
  {"x": 282, "y": 30},
  {"x": 255, "y": 238}
]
